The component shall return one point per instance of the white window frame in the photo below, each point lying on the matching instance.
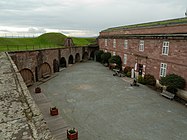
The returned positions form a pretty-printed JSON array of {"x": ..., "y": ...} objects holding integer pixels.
[
  {"x": 125, "y": 44},
  {"x": 106, "y": 42},
  {"x": 141, "y": 45},
  {"x": 114, "y": 43},
  {"x": 163, "y": 69},
  {"x": 114, "y": 53},
  {"x": 165, "y": 48},
  {"x": 125, "y": 59}
]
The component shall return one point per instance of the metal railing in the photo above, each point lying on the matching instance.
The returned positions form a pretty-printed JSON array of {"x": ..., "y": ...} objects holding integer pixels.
[{"x": 10, "y": 48}]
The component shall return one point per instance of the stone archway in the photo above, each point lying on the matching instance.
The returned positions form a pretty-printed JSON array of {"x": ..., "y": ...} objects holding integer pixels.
[
  {"x": 77, "y": 57},
  {"x": 70, "y": 60},
  {"x": 85, "y": 56},
  {"x": 45, "y": 70},
  {"x": 55, "y": 66},
  {"x": 63, "y": 62},
  {"x": 28, "y": 76}
]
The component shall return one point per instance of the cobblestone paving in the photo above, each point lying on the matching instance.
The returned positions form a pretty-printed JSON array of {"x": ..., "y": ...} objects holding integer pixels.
[{"x": 20, "y": 118}]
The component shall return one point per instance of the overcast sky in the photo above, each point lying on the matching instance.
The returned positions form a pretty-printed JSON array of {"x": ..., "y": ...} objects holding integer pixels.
[{"x": 82, "y": 17}]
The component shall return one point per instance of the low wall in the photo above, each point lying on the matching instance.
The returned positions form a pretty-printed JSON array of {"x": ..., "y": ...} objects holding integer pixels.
[{"x": 182, "y": 94}]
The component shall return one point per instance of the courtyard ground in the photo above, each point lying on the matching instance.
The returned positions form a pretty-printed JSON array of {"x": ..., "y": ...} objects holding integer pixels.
[{"x": 106, "y": 107}]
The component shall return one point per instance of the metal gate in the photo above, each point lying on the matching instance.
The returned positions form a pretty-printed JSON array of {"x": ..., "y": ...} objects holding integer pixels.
[
  {"x": 45, "y": 70},
  {"x": 28, "y": 76}
]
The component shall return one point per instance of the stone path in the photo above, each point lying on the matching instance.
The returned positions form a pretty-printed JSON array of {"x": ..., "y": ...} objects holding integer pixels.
[{"x": 56, "y": 124}]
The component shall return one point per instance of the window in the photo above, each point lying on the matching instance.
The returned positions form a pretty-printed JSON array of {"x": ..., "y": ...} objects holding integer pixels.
[
  {"x": 141, "y": 46},
  {"x": 125, "y": 59},
  {"x": 106, "y": 42},
  {"x": 163, "y": 68},
  {"x": 114, "y": 53},
  {"x": 114, "y": 43},
  {"x": 165, "y": 48},
  {"x": 125, "y": 44},
  {"x": 105, "y": 51}
]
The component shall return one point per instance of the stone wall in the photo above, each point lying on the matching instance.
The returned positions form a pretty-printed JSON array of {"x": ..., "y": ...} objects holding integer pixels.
[{"x": 20, "y": 116}]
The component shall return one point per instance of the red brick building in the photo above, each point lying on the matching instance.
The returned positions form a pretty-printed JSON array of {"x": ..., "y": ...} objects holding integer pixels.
[{"x": 157, "y": 48}]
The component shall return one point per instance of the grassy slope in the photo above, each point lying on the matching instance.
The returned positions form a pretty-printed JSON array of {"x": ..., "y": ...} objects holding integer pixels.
[
  {"x": 149, "y": 24},
  {"x": 52, "y": 38},
  {"x": 83, "y": 41},
  {"x": 48, "y": 40},
  {"x": 44, "y": 41}
]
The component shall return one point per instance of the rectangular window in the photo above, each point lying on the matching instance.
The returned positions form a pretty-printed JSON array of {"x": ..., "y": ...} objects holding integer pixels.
[
  {"x": 125, "y": 59},
  {"x": 106, "y": 41},
  {"x": 125, "y": 44},
  {"x": 165, "y": 48},
  {"x": 114, "y": 53},
  {"x": 114, "y": 43},
  {"x": 163, "y": 68},
  {"x": 141, "y": 45}
]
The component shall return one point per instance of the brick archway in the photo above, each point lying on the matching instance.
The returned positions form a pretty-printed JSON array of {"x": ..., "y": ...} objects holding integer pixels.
[
  {"x": 28, "y": 76},
  {"x": 63, "y": 63},
  {"x": 45, "y": 70},
  {"x": 85, "y": 56},
  {"x": 77, "y": 57},
  {"x": 70, "y": 60},
  {"x": 92, "y": 55}
]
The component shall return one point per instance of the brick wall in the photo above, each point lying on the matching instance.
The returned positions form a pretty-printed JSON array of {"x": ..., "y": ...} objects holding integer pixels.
[
  {"x": 33, "y": 59},
  {"x": 169, "y": 29},
  {"x": 152, "y": 56}
]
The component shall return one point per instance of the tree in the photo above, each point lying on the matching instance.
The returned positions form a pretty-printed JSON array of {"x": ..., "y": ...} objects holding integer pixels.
[
  {"x": 98, "y": 54},
  {"x": 116, "y": 59},
  {"x": 150, "y": 80},
  {"x": 105, "y": 57},
  {"x": 174, "y": 81}
]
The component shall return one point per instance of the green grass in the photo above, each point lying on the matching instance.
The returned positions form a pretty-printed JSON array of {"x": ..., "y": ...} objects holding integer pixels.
[
  {"x": 48, "y": 40},
  {"x": 83, "y": 41},
  {"x": 149, "y": 24}
]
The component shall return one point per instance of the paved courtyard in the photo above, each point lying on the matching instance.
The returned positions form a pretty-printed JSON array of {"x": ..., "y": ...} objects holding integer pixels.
[{"x": 104, "y": 107}]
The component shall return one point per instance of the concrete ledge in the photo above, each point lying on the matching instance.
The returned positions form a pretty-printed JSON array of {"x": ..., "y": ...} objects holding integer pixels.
[{"x": 182, "y": 94}]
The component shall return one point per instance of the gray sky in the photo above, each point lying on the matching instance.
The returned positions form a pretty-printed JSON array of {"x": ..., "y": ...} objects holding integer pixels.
[{"x": 82, "y": 17}]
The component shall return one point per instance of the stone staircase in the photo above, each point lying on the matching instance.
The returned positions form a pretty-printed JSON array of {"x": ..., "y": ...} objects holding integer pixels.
[{"x": 56, "y": 124}]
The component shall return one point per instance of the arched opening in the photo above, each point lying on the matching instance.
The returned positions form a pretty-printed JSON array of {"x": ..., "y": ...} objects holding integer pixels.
[
  {"x": 28, "y": 76},
  {"x": 92, "y": 56},
  {"x": 85, "y": 56},
  {"x": 63, "y": 62},
  {"x": 55, "y": 66},
  {"x": 70, "y": 60},
  {"x": 45, "y": 70},
  {"x": 77, "y": 57}
]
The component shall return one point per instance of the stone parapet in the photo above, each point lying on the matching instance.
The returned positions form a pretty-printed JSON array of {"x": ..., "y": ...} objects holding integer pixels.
[{"x": 20, "y": 117}]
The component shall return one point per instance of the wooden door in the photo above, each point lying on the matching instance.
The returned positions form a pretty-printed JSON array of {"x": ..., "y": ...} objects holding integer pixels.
[
  {"x": 27, "y": 76},
  {"x": 45, "y": 70}
]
